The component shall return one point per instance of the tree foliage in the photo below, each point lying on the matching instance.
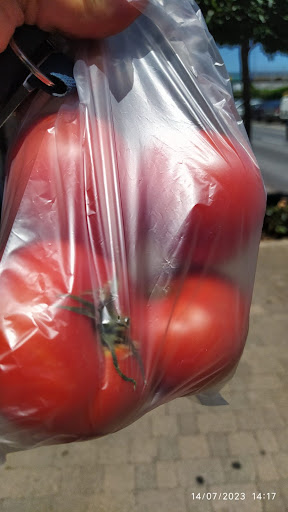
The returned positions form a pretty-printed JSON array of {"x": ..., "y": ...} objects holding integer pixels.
[
  {"x": 260, "y": 21},
  {"x": 245, "y": 23}
]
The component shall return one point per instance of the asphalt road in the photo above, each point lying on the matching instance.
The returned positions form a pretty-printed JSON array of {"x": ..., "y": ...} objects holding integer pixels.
[{"x": 271, "y": 150}]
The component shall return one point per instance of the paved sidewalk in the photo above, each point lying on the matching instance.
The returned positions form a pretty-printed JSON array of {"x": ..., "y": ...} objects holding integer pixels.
[{"x": 163, "y": 461}]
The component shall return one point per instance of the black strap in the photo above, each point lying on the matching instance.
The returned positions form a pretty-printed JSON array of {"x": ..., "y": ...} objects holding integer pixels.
[{"x": 36, "y": 44}]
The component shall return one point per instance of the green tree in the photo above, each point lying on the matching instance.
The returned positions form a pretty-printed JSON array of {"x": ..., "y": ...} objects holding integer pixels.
[{"x": 246, "y": 23}]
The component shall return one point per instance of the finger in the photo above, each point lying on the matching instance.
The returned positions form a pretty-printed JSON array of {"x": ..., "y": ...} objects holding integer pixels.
[
  {"x": 83, "y": 18},
  {"x": 11, "y": 16}
]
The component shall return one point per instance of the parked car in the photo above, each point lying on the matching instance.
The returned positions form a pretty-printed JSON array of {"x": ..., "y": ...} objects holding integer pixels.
[
  {"x": 255, "y": 106},
  {"x": 270, "y": 111}
]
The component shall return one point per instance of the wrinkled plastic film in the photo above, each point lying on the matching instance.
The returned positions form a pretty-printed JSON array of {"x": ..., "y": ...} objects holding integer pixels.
[{"x": 131, "y": 223}]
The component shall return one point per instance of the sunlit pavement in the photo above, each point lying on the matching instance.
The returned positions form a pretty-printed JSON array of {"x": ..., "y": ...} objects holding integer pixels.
[{"x": 183, "y": 456}]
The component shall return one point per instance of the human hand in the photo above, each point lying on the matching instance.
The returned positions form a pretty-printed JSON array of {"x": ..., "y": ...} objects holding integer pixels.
[{"x": 78, "y": 18}]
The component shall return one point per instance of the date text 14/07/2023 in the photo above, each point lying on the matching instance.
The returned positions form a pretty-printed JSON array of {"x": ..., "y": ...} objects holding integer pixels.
[{"x": 233, "y": 496}]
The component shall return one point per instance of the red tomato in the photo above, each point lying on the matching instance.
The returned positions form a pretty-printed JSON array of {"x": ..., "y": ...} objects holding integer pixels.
[
  {"x": 45, "y": 179},
  {"x": 192, "y": 338},
  {"x": 118, "y": 403},
  {"x": 204, "y": 196},
  {"x": 66, "y": 180},
  {"x": 62, "y": 182},
  {"x": 52, "y": 358},
  {"x": 194, "y": 199}
]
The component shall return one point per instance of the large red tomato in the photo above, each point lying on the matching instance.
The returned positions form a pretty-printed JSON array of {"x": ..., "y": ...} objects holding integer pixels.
[
  {"x": 193, "y": 337},
  {"x": 66, "y": 179},
  {"x": 63, "y": 182},
  {"x": 119, "y": 401},
  {"x": 204, "y": 197},
  {"x": 54, "y": 358}
]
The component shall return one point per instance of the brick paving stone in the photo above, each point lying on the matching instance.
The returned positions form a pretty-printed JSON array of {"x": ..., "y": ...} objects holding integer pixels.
[
  {"x": 161, "y": 410},
  {"x": 220, "y": 420},
  {"x": 72, "y": 454},
  {"x": 182, "y": 405},
  {"x": 164, "y": 425},
  {"x": 145, "y": 476},
  {"x": 260, "y": 355},
  {"x": 281, "y": 436},
  {"x": 141, "y": 429},
  {"x": 166, "y": 500},
  {"x": 193, "y": 446},
  {"x": 283, "y": 411},
  {"x": 272, "y": 417},
  {"x": 263, "y": 381},
  {"x": 62, "y": 503},
  {"x": 258, "y": 399},
  {"x": 276, "y": 505},
  {"x": 119, "y": 477},
  {"x": 45, "y": 504},
  {"x": 265, "y": 329},
  {"x": 284, "y": 490},
  {"x": 36, "y": 458},
  {"x": 167, "y": 448},
  {"x": 283, "y": 358},
  {"x": 18, "y": 482},
  {"x": 267, "y": 441},
  {"x": 142, "y": 452},
  {"x": 279, "y": 397},
  {"x": 240, "y": 469},
  {"x": 111, "y": 502},
  {"x": 41, "y": 504},
  {"x": 265, "y": 468},
  {"x": 99, "y": 451},
  {"x": 242, "y": 442},
  {"x": 77, "y": 480},
  {"x": 237, "y": 383},
  {"x": 188, "y": 423},
  {"x": 210, "y": 469},
  {"x": 248, "y": 420},
  {"x": 281, "y": 462},
  {"x": 243, "y": 369},
  {"x": 275, "y": 305},
  {"x": 236, "y": 399},
  {"x": 166, "y": 475},
  {"x": 260, "y": 364},
  {"x": 218, "y": 443},
  {"x": 256, "y": 309}
]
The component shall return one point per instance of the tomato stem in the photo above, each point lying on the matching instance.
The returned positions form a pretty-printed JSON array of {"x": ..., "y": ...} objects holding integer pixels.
[
  {"x": 111, "y": 347},
  {"x": 112, "y": 328}
]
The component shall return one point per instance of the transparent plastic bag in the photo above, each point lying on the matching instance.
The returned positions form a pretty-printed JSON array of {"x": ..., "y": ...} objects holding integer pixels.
[{"x": 131, "y": 223}]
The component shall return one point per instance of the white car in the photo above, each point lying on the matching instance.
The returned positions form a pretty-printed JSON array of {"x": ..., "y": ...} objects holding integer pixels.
[{"x": 283, "y": 108}]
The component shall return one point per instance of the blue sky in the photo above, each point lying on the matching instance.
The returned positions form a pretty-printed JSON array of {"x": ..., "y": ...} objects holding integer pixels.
[{"x": 258, "y": 60}]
